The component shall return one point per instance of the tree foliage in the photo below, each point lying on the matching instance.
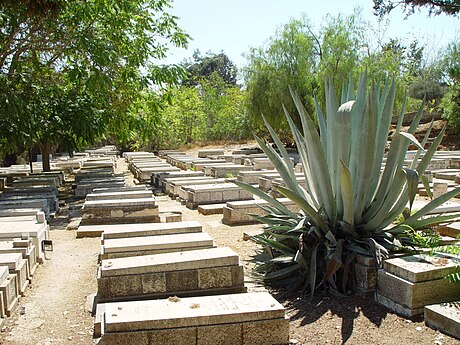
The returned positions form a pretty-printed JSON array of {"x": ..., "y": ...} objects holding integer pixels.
[
  {"x": 72, "y": 70},
  {"x": 204, "y": 66},
  {"x": 435, "y": 7}
]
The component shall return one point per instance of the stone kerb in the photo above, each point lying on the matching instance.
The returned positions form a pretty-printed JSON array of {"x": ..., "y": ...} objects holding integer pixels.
[
  {"x": 406, "y": 285},
  {"x": 240, "y": 212},
  {"x": 37, "y": 232},
  {"x": 159, "y": 179},
  {"x": 215, "y": 193},
  {"x": 252, "y": 177},
  {"x": 221, "y": 171},
  {"x": 140, "y": 210},
  {"x": 237, "y": 319},
  {"x": 197, "y": 272},
  {"x": 210, "y": 152},
  {"x": 146, "y": 245},
  {"x": 148, "y": 229},
  {"x": 120, "y": 195},
  {"x": 176, "y": 187}
]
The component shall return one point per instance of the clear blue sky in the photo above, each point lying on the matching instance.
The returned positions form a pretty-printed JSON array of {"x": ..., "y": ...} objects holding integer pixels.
[{"x": 235, "y": 25}]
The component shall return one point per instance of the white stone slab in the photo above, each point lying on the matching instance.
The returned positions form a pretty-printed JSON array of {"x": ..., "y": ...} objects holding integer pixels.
[
  {"x": 177, "y": 261},
  {"x": 162, "y": 242},
  {"x": 12, "y": 260},
  {"x": 147, "y": 229},
  {"x": 4, "y": 272},
  {"x": 212, "y": 310},
  {"x": 119, "y": 203},
  {"x": 120, "y": 195}
]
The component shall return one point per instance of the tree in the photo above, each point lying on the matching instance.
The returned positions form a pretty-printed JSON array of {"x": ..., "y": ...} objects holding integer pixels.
[
  {"x": 450, "y": 104},
  {"x": 204, "y": 66},
  {"x": 435, "y": 7},
  {"x": 297, "y": 57},
  {"x": 98, "y": 51}
]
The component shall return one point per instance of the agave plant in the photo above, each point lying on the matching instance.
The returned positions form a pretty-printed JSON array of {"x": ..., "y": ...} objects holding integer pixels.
[{"x": 348, "y": 202}]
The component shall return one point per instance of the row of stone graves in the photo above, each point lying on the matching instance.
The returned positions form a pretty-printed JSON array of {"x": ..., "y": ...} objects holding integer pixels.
[
  {"x": 212, "y": 192},
  {"x": 29, "y": 197},
  {"x": 163, "y": 281},
  {"x": 27, "y": 201}
]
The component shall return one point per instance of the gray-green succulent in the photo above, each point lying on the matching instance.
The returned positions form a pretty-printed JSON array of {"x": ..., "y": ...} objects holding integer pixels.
[{"x": 350, "y": 199}]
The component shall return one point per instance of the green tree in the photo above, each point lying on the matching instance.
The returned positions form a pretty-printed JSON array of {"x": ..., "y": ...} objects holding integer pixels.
[
  {"x": 101, "y": 50},
  {"x": 450, "y": 104},
  {"x": 204, "y": 66}
]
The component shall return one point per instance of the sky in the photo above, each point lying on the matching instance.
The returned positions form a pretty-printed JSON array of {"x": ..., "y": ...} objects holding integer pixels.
[{"x": 236, "y": 25}]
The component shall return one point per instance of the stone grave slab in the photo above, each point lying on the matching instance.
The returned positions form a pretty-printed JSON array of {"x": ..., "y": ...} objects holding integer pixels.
[
  {"x": 237, "y": 319},
  {"x": 28, "y": 253},
  {"x": 120, "y": 189},
  {"x": 222, "y": 171},
  {"x": 190, "y": 273},
  {"x": 9, "y": 291},
  {"x": 41, "y": 204},
  {"x": 447, "y": 174},
  {"x": 210, "y": 209},
  {"x": 444, "y": 317},
  {"x": 213, "y": 194},
  {"x": 37, "y": 232},
  {"x": 452, "y": 230},
  {"x": 18, "y": 212},
  {"x": 120, "y": 195},
  {"x": 150, "y": 229},
  {"x": 82, "y": 190},
  {"x": 210, "y": 152},
  {"x": 240, "y": 212},
  {"x": 177, "y": 186},
  {"x": 200, "y": 165},
  {"x": 252, "y": 177},
  {"x": 140, "y": 210},
  {"x": 407, "y": 284},
  {"x": 159, "y": 179},
  {"x": 145, "y": 245},
  {"x": 52, "y": 202},
  {"x": 145, "y": 174}
]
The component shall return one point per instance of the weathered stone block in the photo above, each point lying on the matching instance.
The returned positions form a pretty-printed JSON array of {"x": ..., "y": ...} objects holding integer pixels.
[
  {"x": 9, "y": 290},
  {"x": 444, "y": 317}
]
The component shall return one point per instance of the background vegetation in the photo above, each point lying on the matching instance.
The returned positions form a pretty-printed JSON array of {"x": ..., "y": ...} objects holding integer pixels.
[{"x": 74, "y": 73}]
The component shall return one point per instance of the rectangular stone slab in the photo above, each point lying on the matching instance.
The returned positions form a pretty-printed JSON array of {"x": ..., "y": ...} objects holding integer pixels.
[
  {"x": 156, "y": 244},
  {"x": 418, "y": 268},
  {"x": 12, "y": 260},
  {"x": 9, "y": 290},
  {"x": 416, "y": 295},
  {"x": 190, "y": 312},
  {"x": 89, "y": 204},
  {"x": 177, "y": 261},
  {"x": 122, "y": 195},
  {"x": 444, "y": 317},
  {"x": 149, "y": 229},
  {"x": 4, "y": 272}
]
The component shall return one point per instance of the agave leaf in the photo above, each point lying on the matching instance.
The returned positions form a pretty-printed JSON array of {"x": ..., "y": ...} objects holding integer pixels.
[
  {"x": 282, "y": 273},
  {"x": 432, "y": 205},
  {"x": 275, "y": 245},
  {"x": 313, "y": 266},
  {"x": 401, "y": 114},
  {"x": 421, "y": 167},
  {"x": 303, "y": 204},
  {"x": 280, "y": 146},
  {"x": 424, "y": 141},
  {"x": 264, "y": 196},
  {"x": 316, "y": 156},
  {"x": 322, "y": 125},
  {"x": 347, "y": 193},
  {"x": 413, "y": 139},
  {"x": 284, "y": 259},
  {"x": 417, "y": 117},
  {"x": 426, "y": 184},
  {"x": 430, "y": 221},
  {"x": 412, "y": 183},
  {"x": 278, "y": 163}
]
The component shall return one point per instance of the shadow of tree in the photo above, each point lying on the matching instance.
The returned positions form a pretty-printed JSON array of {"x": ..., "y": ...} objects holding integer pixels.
[{"x": 302, "y": 308}]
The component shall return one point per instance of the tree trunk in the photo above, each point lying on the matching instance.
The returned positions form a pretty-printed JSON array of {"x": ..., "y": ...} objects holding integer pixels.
[
  {"x": 46, "y": 150},
  {"x": 30, "y": 161}
]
